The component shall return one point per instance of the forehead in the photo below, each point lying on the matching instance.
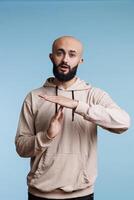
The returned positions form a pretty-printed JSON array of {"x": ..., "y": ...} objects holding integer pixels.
[{"x": 68, "y": 44}]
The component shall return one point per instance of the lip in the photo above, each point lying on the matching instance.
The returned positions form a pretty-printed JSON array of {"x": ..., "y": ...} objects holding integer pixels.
[{"x": 63, "y": 68}]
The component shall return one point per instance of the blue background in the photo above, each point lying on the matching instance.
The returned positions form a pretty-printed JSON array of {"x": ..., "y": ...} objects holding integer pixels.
[{"x": 27, "y": 30}]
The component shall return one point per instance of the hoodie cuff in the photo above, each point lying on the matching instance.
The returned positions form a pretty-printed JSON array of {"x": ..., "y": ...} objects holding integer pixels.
[
  {"x": 82, "y": 108},
  {"x": 42, "y": 141}
]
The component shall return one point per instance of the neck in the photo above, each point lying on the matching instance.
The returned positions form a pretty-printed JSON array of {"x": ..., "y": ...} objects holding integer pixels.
[{"x": 65, "y": 84}]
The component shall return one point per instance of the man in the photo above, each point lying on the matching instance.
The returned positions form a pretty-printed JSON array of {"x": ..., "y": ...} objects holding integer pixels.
[{"x": 58, "y": 128}]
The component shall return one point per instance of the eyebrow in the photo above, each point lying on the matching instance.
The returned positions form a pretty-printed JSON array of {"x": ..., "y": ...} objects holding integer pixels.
[{"x": 71, "y": 51}]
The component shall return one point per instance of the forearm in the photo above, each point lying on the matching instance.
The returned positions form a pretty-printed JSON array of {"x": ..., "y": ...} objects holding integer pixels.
[
  {"x": 30, "y": 146},
  {"x": 113, "y": 119}
]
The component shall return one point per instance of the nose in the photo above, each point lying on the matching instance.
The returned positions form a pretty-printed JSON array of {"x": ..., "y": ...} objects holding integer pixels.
[{"x": 65, "y": 58}]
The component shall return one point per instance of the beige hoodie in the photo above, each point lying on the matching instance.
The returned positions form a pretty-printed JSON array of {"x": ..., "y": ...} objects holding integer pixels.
[{"x": 66, "y": 166}]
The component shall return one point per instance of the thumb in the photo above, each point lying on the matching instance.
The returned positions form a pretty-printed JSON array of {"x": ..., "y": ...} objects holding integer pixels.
[{"x": 59, "y": 112}]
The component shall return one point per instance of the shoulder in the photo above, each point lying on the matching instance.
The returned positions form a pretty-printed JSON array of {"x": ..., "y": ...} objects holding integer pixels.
[
  {"x": 33, "y": 95},
  {"x": 97, "y": 91},
  {"x": 97, "y": 94}
]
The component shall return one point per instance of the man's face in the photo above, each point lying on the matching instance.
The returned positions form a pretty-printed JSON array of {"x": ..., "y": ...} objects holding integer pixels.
[{"x": 66, "y": 57}]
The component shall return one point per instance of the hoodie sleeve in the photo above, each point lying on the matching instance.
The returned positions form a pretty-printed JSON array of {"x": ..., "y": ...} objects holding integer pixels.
[
  {"x": 28, "y": 142},
  {"x": 103, "y": 111}
]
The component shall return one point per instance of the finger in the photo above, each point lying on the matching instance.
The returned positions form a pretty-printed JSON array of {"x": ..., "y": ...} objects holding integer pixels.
[
  {"x": 59, "y": 112},
  {"x": 52, "y": 99},
  {"x": 60, "y": 108},
  {"x": 43, "y": 97},
  {"x": 61, "y": 117}
]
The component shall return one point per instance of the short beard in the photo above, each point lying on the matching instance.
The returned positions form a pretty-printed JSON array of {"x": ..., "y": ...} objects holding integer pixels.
[{"x": 64, "y": 77}]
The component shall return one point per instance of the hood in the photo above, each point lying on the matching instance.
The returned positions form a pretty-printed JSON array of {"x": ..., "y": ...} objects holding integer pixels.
[{"x": 77, "y": 86}]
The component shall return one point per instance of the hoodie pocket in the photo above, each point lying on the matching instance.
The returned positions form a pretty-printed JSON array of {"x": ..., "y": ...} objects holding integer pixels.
[{"x": 60, "y": 171}]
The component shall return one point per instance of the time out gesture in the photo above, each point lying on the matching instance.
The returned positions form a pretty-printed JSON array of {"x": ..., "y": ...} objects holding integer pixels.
[{"x": 61, "y": 100}]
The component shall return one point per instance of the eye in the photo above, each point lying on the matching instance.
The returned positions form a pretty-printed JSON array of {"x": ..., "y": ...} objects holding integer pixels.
[
  {"x": 59, "y": 53},
  {"x": 72, "y": 55}
]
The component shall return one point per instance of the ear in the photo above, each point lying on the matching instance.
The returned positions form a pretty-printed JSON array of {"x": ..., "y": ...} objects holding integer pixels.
[
  {"x": 51, "y": 57},
  {"x": 81, "y": 60}
]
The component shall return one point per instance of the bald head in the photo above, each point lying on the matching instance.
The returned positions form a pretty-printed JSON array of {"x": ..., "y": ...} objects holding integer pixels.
[{"x": 70, "y": 41}]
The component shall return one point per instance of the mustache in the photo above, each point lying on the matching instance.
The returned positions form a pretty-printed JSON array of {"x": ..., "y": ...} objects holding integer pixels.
[{"x": 64, "y": 65}]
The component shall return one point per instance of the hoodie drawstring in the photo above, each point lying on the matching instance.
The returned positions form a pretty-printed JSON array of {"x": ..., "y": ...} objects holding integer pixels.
[
  {"x": 56, "y": 105},
  {"x": 72, "y": 109}
]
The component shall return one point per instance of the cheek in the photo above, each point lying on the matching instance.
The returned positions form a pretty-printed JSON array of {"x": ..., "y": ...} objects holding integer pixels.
[
  {"x": 75, "y": 62},
  {"x": 57, "y": 60}
]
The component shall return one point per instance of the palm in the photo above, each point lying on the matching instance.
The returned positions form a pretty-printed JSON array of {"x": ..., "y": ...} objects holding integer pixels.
[
  {"x": 61, "y": 100},
  {"x": 56, "y": 123}
]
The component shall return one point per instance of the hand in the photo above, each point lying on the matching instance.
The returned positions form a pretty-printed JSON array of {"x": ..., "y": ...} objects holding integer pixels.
[
  {"x": 55, "y": 124},
  {"x": 61, "y": 100}
]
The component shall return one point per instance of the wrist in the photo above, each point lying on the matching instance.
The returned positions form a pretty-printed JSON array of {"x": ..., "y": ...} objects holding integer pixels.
[{"x": 49, "y": 137}]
